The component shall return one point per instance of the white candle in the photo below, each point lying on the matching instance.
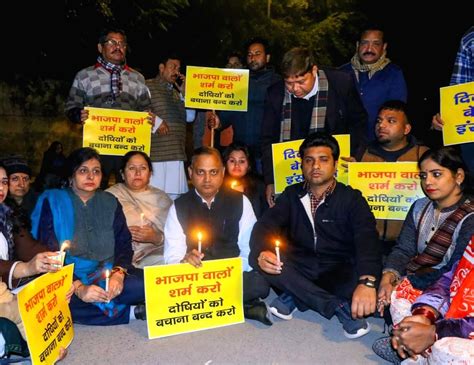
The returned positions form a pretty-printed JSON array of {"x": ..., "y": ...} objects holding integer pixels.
[
  {"x": 277, "y": 250},
  {"x": 107, "y": 275},
  {"x": 141, "y": 219},
  {"x": 199, "y": 241}
]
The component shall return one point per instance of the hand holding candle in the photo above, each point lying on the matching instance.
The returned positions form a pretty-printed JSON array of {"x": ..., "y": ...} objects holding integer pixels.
[{"x": 277, "y": 250}]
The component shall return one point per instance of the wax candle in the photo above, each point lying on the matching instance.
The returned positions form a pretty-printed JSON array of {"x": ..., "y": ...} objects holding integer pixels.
[
  {"x": 199, "y": 241},
  {"x": 107, "y": 275},
  {"x": 277, "y": 249}
]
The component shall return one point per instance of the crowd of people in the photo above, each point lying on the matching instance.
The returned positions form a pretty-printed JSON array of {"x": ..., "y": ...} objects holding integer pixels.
[{"x": 338, "y": 259}]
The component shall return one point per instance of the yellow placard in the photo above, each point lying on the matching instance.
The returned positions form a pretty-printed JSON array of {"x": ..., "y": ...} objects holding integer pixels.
[
  {"x": 181, "y": 298},
  {"x": 216, "y": 88},
  {"x": 457, "y": 112},
  {"x": 390, "y": 188},
  {"x": 287, "y": 162},
  {"x": 46, "y": 315},
  {"x": 115, "y": 132}
]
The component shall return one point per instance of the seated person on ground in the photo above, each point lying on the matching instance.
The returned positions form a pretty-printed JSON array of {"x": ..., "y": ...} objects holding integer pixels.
[
  {"x": 94, "y": 222},
  {"x": 439, "y": 330},
  {"x": 435, "y": 233},
  {"x": 330, "y": 256},
  {"x": 145, "y": 208},
  {"x": 227, "y": 218}
]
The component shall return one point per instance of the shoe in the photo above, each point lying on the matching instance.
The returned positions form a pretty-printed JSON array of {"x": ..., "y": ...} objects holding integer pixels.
[
  {"x": 383, "y": 348},
  {"x": 140, "y": 312},
  {"x": 283, "y": 307},
  {"x": 258, "y": 311},
  {"x": 353, "y": 328}
]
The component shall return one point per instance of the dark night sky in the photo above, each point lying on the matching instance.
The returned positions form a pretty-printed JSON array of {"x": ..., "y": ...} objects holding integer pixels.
[{"x": 423, "y": 46}]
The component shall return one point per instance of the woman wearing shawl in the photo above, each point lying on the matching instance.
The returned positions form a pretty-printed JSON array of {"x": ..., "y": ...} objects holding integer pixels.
[
  {"x": 435, "y": 234},
  {"x": 94, "y": 222},
  {"x": 145, "y": 208}
]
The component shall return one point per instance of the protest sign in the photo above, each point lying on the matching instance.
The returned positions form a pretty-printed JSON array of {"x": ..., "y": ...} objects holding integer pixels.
[
  {"x": 115, "y": 132},
  {"x": 46, "y": 315},
  {"x": 181, "y": 298}
]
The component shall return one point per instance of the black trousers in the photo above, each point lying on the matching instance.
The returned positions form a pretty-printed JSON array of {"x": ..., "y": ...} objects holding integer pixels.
[
  {"x": 320, "y": 287},
  {"x": 255, "y": 286}
]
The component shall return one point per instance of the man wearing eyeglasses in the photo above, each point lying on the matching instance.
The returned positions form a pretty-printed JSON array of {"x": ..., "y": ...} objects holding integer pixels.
[
  {"x": 310, "y": 99},
  {"x": 19, "y": 177},
  {"x": 110, "y": 83}
]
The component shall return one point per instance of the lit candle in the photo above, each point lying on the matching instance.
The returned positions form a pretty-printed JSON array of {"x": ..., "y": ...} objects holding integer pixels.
[
  {"x": 233, "y": 184},
  {"x": 141, "y": 219},
  {"x": 199, "y": 241},
  {"x": 107, "y": 275},
  {"x": 277, "y": 249},
  {"x": 65, "y": 245}
]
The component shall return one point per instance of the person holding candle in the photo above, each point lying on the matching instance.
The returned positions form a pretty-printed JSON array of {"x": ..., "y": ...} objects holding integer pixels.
[
  {"x": 21, "y": 257},
  {"x": 239, "y": 168},
  {"x": 94, "y": 222},
  {"x": 331, "y": 259},
  {"x": 145, "y": 208},
  {"x": 224, "y": 217}
]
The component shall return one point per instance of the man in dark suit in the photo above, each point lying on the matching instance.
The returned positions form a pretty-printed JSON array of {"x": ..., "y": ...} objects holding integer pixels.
[{"x": 309, "y": 99}]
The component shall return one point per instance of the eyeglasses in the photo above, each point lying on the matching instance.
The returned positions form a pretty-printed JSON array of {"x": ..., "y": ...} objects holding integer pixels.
[{"x": 114, "y": 43}]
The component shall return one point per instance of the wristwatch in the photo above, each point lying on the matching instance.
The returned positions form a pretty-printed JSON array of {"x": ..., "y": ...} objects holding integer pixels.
[{"x": 367, "y": 282}]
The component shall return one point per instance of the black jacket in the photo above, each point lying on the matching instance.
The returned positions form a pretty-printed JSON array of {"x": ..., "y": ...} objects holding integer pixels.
[
  {"x": 345, "y": 114},
  {"x": 344, "y": 231}
]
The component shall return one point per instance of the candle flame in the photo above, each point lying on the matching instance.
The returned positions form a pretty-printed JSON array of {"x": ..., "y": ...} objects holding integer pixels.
[
  {"x": 233, "y": 184},
  {"x": 107, "y": 273},
  {"x": 199, "y": 236},
  {"x": 65, "y": 245},
  {"x": 277, "y": 243}
]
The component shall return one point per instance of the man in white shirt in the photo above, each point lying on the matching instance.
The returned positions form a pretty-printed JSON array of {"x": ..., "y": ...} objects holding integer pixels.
[{"x": 227, "y": 218}]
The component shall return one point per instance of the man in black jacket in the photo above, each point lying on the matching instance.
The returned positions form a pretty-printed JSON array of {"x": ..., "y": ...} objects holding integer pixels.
[
  {"x": 330, "y": 258},
  {"x": 309, "y": 100}
]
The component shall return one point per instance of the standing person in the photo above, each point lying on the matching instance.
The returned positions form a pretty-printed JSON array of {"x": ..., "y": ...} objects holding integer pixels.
[
  {"x": 94, "y": 222},
  {"x": 110, "y": 83},
  {"x": 227, "y": 218},
  {"x": 234, "y": 60},
  {"x": 309, "y": 100},
  {"x": 247, "y": 125},
  {"x": 463, "y": 71},
  {"x": 168, "y": 138},
  {"x": 330, "y": 257},
  {"x": 20, "y": 192},
  {"x": 145, "y": 208},
  {"x": 377, "y": 79}
]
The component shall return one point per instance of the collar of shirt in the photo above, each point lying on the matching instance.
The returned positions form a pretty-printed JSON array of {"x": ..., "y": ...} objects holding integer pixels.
[
  {"x": 313, "y": 91},
  {"x": 204, "y": 200},
  {"x": 317, "y": 200}
]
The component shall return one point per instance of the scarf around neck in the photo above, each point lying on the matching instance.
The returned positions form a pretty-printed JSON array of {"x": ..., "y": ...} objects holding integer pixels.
[
  {"x": 371, "y": 68},
  {"x": 115, "y": 75}
]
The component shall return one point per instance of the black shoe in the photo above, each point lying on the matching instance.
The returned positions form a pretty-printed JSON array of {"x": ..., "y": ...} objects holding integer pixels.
[
  {"x": 140, "y": 312},
  {"x": 258, "y": 310}
]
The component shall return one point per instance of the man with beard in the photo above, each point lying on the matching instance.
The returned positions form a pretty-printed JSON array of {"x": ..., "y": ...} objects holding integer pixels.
[
  {"x": 394, "y": 143},
  {"x": 376, "y": 78},
  {"x": 247, "y": 126},
  {"x": 330, "y": 258},
  {"x": 110, "y": 83}
]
